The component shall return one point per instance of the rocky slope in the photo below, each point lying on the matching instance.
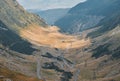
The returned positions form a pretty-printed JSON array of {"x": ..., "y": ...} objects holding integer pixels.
[{"x": 14, "y": 16}]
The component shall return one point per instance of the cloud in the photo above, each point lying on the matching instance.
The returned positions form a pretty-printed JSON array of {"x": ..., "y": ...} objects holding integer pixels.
[{"x": 48, "y": 4}]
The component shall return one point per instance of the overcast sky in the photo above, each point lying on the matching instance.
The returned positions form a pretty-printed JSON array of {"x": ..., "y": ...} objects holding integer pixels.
[{"x": 48, "y": 4}]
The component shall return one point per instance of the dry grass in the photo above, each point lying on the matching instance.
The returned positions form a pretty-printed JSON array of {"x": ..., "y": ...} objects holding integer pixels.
[{"x": 50, "y": 37}]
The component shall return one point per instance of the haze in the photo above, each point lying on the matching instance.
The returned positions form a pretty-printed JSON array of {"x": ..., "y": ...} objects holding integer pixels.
[{"x": 48, "y": 4}]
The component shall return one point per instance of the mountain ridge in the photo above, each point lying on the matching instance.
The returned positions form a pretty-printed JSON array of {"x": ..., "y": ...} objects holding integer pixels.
[{"x": 50, "y": 15}]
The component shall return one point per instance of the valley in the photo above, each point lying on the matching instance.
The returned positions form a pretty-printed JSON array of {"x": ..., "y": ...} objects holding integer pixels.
[
  {"x": 83, "y": 46},
  {"x": 50, "y": 37}
]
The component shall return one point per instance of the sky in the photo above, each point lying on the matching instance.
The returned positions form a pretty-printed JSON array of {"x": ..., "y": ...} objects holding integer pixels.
[{"x": 48, "y": 4}]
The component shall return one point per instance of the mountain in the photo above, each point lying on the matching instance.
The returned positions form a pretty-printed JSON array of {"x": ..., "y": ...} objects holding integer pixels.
[
  {"x": 51, "y": 15},
  {"x": 100, "y": 20},
  {"x": 106, "y": 32},
  {"x": 12, "y": 12},
  {"x": 30, "y": 50},
  {"x": 25, "y": 39},
  {"x": 87, "y": 15},
  {"x": 13, "y": 18},
  {"x": 23, "y": 29}
]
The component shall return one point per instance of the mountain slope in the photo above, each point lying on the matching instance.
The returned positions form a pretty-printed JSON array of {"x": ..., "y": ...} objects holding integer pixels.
[
  {"x": 11, "y": 40},
  {"x": 88, "y": 14},
  {"x": 50, "y": 15},
  {"x": 20, "y": 21},
  {"x": 12, "y": 18},
  {"x": 107, "y": 24},
  {"x": 101, "y": 22},
  {"x": 6, "y": 74},
  {"x": 106, "y": 36}
]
